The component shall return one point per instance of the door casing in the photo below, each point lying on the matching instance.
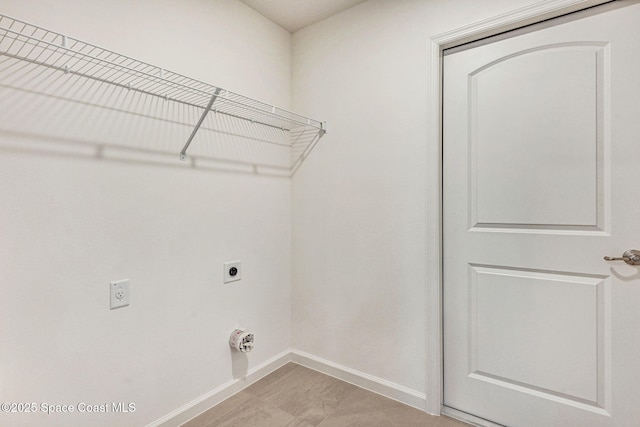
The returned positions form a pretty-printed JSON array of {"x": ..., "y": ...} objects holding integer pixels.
[{"x": 434, "y": 281}]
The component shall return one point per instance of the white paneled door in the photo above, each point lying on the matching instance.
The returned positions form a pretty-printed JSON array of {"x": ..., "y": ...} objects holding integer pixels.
[{"x": 541, "y": 180}]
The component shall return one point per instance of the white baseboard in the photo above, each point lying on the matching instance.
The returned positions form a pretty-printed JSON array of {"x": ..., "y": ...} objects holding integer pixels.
[
  {"x": 369, "y": 382},
  {"x": 217, "y": 395}
]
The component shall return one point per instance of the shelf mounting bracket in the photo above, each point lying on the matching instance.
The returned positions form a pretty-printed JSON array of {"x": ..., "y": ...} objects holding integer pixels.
[{"x": 183, "y": 153}]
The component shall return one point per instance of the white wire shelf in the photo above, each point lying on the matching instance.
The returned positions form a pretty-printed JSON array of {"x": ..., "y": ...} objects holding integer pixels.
[{"x": 51, "y": 75}]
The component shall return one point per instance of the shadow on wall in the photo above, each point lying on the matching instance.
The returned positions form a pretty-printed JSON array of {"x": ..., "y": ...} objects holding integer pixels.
[
  {"x": 65, "y": 91},
  {"x": 239, "y": 364}
]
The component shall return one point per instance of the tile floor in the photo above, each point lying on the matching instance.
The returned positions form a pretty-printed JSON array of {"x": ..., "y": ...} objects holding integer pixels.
[{"x": 295, "y": 396}]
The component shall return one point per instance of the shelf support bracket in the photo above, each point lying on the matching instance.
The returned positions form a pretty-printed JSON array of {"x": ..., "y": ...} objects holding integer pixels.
[{"x": 183, "y": 153}]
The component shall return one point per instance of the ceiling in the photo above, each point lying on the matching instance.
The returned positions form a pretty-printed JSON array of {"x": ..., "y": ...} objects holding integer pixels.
[{"x": 293, "y": 15}]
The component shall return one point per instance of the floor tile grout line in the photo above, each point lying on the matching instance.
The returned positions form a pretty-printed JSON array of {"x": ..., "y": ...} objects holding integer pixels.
[
  {"x": 298, "y": 366},
  {"x": 339, "y": 403},
  {"x": 282, "y": 382},
  {"x": 243, "y": 389},
  {"x": 288, "y": 380},
  {"x": 276, "y": 384},
  {"x": 359, "y": 386},
  {"x": 211, "y": 423}
]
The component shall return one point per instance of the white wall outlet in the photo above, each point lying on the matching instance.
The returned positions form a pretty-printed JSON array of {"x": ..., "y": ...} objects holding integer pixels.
[
  {"x": 119, "y": 293},
  {"x": 232, "y": 271}
]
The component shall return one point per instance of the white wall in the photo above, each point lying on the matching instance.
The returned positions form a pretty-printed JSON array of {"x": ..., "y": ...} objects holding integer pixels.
[
  {"x": 71, "y": 224},
  {"x": 359, "y": 202}
]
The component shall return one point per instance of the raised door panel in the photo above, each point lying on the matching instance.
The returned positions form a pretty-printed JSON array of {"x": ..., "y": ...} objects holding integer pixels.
[
  {"x": 539, "y": 332},
  {"x": 535, "y": 139}
]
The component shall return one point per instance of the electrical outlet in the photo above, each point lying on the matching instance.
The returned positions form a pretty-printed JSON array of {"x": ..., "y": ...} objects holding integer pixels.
[
  {"x": 232, "y": 271},
  {"x": 119, "y": 293}
]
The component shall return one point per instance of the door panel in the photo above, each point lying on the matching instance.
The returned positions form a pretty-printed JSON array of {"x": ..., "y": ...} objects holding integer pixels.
[
  {"x": 542, "y": 349},
  {"x": 541, "y": 155},
  {"x": 522, "y": 108}
]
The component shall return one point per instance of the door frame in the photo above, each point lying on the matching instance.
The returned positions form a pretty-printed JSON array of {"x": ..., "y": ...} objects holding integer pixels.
[{"x": 517, "y": 18}]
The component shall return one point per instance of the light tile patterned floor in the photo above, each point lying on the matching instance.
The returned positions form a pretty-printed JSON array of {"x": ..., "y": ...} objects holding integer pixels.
[{"x": 295, "y": 396}]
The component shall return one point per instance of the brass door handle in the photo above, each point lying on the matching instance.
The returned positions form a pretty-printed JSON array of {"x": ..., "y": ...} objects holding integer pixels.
[{"x": 631, "y": 257}]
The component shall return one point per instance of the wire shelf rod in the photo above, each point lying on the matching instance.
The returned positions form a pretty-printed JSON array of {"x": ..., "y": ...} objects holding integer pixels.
[{"x": 183, "y": 153}]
